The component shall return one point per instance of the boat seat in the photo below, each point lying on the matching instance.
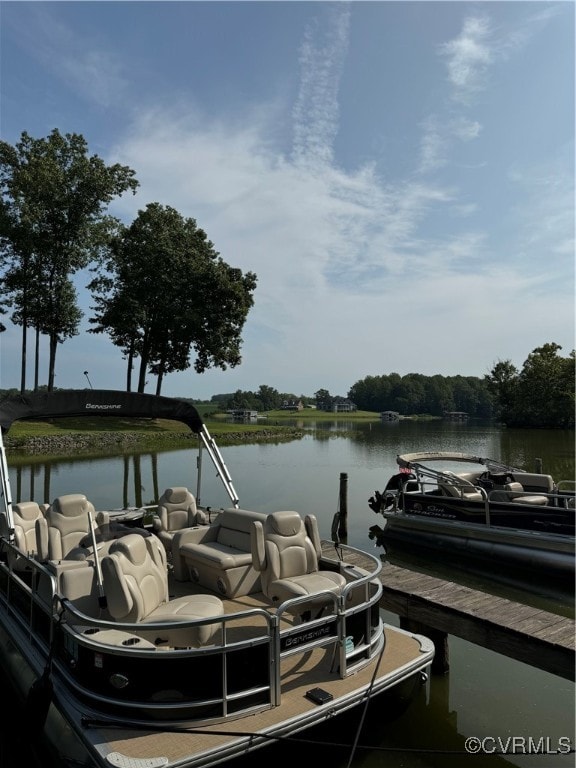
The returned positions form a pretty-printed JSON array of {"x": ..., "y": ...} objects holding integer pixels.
[
  {"x": 517, "y": 494},
  {"x": 452, "y": 484},
  {"x": 219, "y": 556},
  {"x": 136, "y": 588},
  {"x": 67, "y": 525},
  {"x": 25, "y": 516},
  {"x": 285, "y": 550},
  {"x": 534, "y": 482},
  {"x": 176, "y": 511}
]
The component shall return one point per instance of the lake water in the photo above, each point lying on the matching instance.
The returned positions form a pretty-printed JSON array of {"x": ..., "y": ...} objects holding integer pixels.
[{"x": 509, "y": 705}]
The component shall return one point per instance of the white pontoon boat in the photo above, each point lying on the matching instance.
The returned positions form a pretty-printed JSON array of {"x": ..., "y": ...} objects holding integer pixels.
[{"x": 202, "y": 639}]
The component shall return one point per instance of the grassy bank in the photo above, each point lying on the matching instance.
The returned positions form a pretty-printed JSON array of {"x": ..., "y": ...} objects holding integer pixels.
[{"x": 102, "y": 436}]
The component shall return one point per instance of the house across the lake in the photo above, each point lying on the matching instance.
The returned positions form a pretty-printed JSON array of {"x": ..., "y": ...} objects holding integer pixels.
[{"x": 292, "y": 405}]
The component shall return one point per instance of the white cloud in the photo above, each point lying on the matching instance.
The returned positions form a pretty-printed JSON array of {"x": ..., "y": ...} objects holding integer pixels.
[
  {"x": 316, "y": 110},
  {"x": 433, "y": 145},
  {"x": 468, "y": 57},
  {"x": 437, "y": 140},
  {"x": 465, "y": 130}
]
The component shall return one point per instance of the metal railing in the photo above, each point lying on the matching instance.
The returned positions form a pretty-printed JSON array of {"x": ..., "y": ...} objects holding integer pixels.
[{"x": 62, "y": 633}]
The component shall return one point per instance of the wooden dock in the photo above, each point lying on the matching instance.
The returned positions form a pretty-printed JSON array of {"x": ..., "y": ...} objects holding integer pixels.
[
  {"x": 536, "y": 637},
  {"x": 438, "y": 608}
]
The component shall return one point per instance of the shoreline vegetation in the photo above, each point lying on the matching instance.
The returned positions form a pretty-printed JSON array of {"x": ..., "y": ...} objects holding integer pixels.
[{"x": 108, "y": 435}]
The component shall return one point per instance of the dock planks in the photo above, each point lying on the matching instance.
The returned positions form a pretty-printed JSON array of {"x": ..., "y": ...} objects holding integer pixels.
[
  {"x": 539, "y": 638},
  {"x": 522, "y": 632}
]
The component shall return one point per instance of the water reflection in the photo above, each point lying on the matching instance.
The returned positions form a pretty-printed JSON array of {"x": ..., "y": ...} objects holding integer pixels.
[
  {"x": 296, "y": 470},
  {"x": 43, "y": 481}
]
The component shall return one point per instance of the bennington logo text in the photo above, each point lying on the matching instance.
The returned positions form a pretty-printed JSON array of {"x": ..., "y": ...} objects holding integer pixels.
[{"x": 105, "y": 407}]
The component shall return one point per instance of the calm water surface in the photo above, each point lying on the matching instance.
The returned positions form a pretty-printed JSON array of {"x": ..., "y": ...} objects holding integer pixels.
[{"x": 484, "y": 695}]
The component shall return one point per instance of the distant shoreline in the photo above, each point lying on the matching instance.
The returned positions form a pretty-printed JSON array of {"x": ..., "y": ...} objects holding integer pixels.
[{"x": 105, "y": 442}]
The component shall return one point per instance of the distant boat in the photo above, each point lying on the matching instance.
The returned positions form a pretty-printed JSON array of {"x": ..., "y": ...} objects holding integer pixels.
[
  {"x": 205, "y": 637},
  {"x": 492, "y": 511},
  {"x": 243, "y": 414}
]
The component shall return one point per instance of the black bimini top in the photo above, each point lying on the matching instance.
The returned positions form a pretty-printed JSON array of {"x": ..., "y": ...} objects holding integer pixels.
[{"x": 96, "y": 402}]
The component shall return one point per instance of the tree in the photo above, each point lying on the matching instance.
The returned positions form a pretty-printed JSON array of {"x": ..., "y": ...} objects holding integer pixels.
[
  {"x": 323, "y": 400},
  {"x": 268, "y": 398},
  {"x": 503, "y": 382},
  {"x": 53, "y": 223},
  {"x": 166, "y": 292},
  {"x": 541, "y": 394},
  {"x": 546, "y": 389}
]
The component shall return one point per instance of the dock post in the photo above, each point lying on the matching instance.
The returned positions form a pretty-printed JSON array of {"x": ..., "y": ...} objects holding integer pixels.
[
  {"x": 441, "y": 663},
  {"x": 343, "y": 506},
  {"x": 538, "y": 466}
]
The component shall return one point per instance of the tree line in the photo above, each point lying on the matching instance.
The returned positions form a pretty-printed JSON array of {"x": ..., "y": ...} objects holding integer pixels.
[
  {"x": 541, "y": 394},
  {"x": 161, "y": 291}
]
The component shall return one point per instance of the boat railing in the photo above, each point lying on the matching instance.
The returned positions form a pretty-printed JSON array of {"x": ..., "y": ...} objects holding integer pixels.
[
  {"x": 29, "y": 591},
  {"x": 561, "y": 498},
  {"x": 567, "y": 487},
  {"x": 64, "y": 633}
]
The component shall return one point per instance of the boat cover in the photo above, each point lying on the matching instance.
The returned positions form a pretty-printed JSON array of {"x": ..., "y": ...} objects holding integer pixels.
[
  {"x": 96, "y": 402},
  {"x": 415, "y": 458}
]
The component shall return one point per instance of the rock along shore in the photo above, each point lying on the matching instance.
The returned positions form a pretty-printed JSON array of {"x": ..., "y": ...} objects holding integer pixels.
[{"x": 110, "y": 442}]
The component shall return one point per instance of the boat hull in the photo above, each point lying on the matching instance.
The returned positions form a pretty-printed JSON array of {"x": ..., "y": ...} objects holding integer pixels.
[{"x": 547, "y": 553}]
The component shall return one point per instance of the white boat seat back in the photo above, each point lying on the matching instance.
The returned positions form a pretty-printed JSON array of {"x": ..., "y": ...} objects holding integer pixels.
[
  {"x": 135, "y": 577},
  {"x": 68, "y": 524},
  {"x": 536, "y": 483},
  {"x": 25, "y": 515},
  {"x": 176, "y": 511},
  {"x": 453, "y": 485},
  {"x": 136, "y": 588},
  {"x": 287, "y": 558}
]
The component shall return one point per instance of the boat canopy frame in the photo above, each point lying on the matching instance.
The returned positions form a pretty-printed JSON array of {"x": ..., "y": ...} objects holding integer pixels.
[
  {"x": 43, "y": 406},
  {"x": 419, "y": 461}
]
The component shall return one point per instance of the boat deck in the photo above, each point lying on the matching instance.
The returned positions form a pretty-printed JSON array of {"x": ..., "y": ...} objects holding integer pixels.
[
  {"x": 404, "y": 656},
  {"x": 299, "y": 674}
]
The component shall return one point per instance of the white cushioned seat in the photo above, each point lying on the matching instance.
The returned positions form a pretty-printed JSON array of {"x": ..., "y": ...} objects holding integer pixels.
[
  {"x": 219, "y": 555},
  {"x": 176, "y": 511},
  {"x": 27, "y": 517},
  {"x": 68, "y": 526},
  {"x": 136, "y": 588},
  {"x": 285, "y": 551}
]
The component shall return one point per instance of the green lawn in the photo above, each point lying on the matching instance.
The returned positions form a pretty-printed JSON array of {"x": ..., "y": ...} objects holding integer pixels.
[
  {"x": 311, "y": 414},
  {"x": 25, "y": 429}
]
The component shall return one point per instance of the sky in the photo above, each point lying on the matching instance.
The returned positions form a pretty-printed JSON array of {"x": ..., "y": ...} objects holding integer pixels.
[{"x": 399, "y": 175}]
